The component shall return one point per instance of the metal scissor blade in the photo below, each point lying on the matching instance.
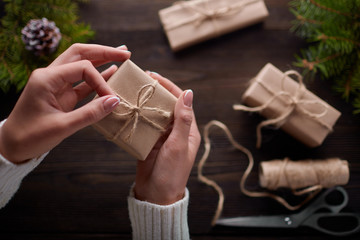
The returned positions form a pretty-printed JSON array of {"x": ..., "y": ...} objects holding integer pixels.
[{"x": 259, "y": 221}]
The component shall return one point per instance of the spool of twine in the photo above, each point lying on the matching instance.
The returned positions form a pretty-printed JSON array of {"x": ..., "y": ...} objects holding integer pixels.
[{"x": 286, "y": 173}]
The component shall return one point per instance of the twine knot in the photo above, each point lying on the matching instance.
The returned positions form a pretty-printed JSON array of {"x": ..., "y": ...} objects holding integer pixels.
[
  {"x": 136, "y": 109},
  {"x": 292, "y": 100},
  {"x": 211, "y": 14},
  {"x": 135, "y": 112}
]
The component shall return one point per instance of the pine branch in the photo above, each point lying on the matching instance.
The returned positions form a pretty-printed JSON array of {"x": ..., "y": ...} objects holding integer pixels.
[
  {"x": 332, "y": 29},
  {"x": 334, "y": 10},
  {"x": 312, "y": 64},
  {"x": 325, "y": 37},
  {"x": 304, "y": 20}
]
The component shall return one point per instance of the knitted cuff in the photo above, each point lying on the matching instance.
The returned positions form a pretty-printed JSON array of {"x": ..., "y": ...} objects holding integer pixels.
[
  {"x": 151, "y": 221},
  {"x": 12, "y": 174}
]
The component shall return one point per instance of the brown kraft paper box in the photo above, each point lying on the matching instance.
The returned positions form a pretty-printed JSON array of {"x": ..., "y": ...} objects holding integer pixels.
[
  {"x": 189, "y": 22},
  {"x": 143, "y": 104},
  {"x": 309, "y": 130}
]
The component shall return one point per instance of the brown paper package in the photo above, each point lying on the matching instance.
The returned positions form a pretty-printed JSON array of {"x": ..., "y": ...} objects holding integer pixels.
[
  {"x": 189, "y": 22},
  {"x": 302, "y": 127},
  {"x": 127, "y": 82}
]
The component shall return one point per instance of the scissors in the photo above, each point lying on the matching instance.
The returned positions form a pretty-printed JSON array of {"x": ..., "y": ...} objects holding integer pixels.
[{"x": 308, "y": 217}]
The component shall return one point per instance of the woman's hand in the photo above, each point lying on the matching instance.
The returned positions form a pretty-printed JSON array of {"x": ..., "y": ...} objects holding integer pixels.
[
  {"x": 44, "y": 115},
  {"x": 162, "y": 177}
]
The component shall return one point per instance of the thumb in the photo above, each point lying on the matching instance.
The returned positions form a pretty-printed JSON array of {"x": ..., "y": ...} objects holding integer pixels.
[
  {"x": 183, "y": 117},
  {"x": 92, "y": 112}
]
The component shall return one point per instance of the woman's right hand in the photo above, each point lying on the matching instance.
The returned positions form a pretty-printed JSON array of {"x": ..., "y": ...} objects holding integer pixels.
[{"x": 162, "y": 177}]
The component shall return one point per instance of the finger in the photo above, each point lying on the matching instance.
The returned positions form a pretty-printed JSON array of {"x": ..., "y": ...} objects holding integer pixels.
[
  {"x": 183, "y": 117},
  {"x": 166, "y": 83},
  {"x": 97, "y": 54},
  {"x": 83, "y": 89},
  {"x": 91, "y": 112},
  {"x": 74, "y": 72},
  {"x": 123, "y": 47},
  {"x": 107, "y": 73},
  {"x": 194, "y": 138},
  {"x": 101, "y": 62}
]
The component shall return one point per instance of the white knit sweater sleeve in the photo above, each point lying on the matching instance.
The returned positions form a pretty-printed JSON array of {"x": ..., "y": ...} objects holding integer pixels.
[
  {"x": 12, "y": 174},
  {"x": 151, "y": 221}
]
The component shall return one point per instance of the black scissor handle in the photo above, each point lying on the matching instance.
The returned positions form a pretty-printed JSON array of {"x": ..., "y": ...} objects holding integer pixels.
[
  {"x": 315, "y": 222},
  {"x": 322, "y": 202}
]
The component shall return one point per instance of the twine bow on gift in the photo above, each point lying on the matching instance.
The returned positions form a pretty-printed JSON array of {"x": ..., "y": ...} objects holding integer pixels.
[
  {"x": 135, "y": 112},
  {"x": 203, "y": 15},
  {"x": 292, "y": 100}
]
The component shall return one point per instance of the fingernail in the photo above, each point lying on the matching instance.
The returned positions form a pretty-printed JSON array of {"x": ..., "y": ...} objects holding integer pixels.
[
  {"x": 188, "y": 98},
  {"x": 111, "y": 103},
  {"x": 151, "y": 72},
  {"x": 123, "y": 46}
]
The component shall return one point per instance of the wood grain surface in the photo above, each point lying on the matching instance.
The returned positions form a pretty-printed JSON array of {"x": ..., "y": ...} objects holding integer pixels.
[{"x": 80, "y": 190}]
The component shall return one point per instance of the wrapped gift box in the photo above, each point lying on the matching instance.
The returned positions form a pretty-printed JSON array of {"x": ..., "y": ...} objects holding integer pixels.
[
  {"x": 144, "y": 113},
  {"x": 190, "y": 22},
  {"x": 308, "y": 118}
]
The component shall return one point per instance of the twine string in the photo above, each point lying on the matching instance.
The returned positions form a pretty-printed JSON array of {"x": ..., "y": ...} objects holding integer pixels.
[
  {"x": 135, "y": 112},
  {"x": 218, "y": 189},
  {"x": 202, "y": 15},
  {"x": 292, "y": 100}
]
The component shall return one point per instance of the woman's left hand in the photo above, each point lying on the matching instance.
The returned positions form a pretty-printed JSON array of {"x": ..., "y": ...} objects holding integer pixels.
[{"x": 44, "y": 114}]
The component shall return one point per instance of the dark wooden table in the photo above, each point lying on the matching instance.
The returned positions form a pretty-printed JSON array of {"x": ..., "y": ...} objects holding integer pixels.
[{"x": 80, "y": 190}]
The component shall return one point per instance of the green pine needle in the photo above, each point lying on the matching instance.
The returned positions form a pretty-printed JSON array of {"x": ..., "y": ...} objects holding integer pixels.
[
  {"x": 17, "y": 63},
  {"x": 332, "y": 29}
]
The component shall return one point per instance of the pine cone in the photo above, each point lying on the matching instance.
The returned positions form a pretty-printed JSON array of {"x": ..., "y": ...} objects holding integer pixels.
[{"x": 41, "y": 36}]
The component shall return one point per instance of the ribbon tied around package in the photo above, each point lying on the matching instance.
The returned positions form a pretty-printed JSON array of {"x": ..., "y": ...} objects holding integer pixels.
[
  {"x": 203, "y": 14},
  {"x": 136, "y": 112},
  {"x": 292, "y": 100}
]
